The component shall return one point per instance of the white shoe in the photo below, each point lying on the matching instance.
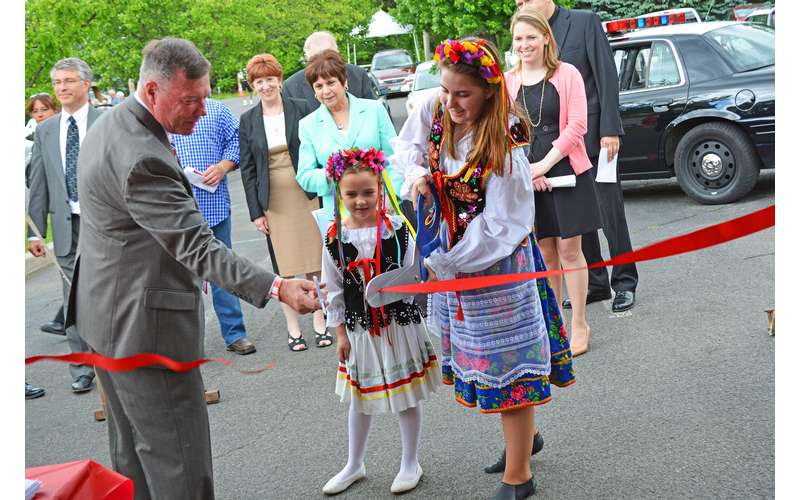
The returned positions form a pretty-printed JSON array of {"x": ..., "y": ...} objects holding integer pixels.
[
  {"x": 334, "y": 486},
  {"x": 401, "y": 485}
]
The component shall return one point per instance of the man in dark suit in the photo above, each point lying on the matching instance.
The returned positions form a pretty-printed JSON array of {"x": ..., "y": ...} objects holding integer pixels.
[
  {"x": 145, "y": 249},
  {"x": 297, "y": 86},
  {"x": 582, "y": 42},
  {"x": 54, "y": 184}
]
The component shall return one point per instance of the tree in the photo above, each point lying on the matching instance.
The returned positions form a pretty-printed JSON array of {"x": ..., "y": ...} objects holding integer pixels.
[
  {"x": 110, "y": 38},
  {"x": 459, "y": 18}
]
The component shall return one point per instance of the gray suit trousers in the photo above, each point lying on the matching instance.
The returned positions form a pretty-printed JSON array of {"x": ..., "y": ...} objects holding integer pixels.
[
  {"x": 67, "y": 264},
  {"x": 158, "y": 432}
]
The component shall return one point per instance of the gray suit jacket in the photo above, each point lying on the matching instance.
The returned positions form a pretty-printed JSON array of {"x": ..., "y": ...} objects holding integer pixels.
[
  {"x": 145, "y": 247},
  {"x": 48, "y": 183}
]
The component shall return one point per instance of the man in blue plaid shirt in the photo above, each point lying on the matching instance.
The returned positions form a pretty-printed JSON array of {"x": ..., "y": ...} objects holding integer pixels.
[{"x": 212, "y": 149}]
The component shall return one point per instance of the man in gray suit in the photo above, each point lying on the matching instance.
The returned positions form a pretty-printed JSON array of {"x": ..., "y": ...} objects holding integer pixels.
[
  {"x": 145, "y": 249},
  {"x": 54, "y": 188}
]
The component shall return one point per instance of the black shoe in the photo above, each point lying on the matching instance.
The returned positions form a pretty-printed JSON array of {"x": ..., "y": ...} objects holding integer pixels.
[
  {"x": 515, "y": 492},
  {"x": 32, "y": 392},
  {"x": 592, "y": 296},
  {"x": 623, "y": 301},
  {"x": 82, "y": 384},
  {"x": 53, "y": 327},
  {"x": 500, "y": 465}
]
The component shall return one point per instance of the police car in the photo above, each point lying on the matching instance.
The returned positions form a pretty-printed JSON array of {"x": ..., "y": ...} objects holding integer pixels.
[{"x": 697, "y": 102}]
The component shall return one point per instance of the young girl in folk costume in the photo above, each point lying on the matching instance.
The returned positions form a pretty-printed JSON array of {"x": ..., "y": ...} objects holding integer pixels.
[
  {"x": 495, "y": 346},
  {"x": 386, "y": 360}
]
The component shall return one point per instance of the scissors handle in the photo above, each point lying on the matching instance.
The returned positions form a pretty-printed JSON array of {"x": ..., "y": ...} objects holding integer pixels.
[{"x": 427, "y": 229}]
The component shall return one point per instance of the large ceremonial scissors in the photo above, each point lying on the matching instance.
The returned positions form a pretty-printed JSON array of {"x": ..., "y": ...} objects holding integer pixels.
[{"x": 428, "y": 220}]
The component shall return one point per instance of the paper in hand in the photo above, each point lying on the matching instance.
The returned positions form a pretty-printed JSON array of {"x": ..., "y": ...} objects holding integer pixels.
[
  {"x": 562, "y": 181},
  {"x": 322, "y": 222},
  {"x": 197, "y": 180},
  {"x": 606, "y": 170}
]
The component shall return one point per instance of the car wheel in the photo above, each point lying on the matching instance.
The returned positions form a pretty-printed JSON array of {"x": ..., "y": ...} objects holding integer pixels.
[{"x": 716, "y": 163}]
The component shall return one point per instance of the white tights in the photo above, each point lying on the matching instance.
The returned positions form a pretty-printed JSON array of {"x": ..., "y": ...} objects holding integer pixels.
[{"x": 358, "y": 431}]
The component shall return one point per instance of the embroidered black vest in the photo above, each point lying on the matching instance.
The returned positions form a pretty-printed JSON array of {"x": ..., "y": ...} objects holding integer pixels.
[
  {"x": 356, "y": 308},
  {"x": 463, "y": 194}
]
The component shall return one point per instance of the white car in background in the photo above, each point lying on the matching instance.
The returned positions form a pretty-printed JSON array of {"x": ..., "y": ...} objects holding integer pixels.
[
  {"x": 762, "y": 16},
  {"x": 426, "y": 83}
]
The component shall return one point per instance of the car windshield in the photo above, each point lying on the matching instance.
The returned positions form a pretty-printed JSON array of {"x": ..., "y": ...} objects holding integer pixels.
[
  {"x": 427, "y": 78},
  {"x": 745, "y": 46},
  {"x": 389, "y": 61}
]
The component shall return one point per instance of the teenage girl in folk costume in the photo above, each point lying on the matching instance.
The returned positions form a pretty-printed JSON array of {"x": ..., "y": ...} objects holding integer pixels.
[
  {"x": 469, "y": 142},
  {"x": 386, "y": 360}
]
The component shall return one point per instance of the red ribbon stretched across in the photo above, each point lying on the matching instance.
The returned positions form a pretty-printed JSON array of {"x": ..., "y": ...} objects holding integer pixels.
[
  {"x": 696, "y": 240},
  {"x": 139, "y": 361}
]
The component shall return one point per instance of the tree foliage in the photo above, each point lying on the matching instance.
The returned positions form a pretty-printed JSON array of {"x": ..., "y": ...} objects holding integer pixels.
[
  {"x": 110, "y": 36},
  {"x": 459, "y": 18}
]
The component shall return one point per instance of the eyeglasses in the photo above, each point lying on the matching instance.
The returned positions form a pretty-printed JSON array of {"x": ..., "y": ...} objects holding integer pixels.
[{"x": 66, "y": 81}]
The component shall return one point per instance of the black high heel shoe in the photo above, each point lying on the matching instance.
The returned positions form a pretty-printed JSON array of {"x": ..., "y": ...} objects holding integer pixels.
[{"x": 515, "y": 491}]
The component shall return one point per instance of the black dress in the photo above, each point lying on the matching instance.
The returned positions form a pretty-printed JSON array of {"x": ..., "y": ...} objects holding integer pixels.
[{"x": 566, "y": 211}]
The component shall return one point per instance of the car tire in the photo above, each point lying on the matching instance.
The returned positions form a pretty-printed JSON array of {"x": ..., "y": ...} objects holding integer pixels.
[{"x": 716, "y": 163}]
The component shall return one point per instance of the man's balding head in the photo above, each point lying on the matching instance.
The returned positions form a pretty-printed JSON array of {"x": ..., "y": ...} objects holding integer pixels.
[{"x": 317, "y": 42}]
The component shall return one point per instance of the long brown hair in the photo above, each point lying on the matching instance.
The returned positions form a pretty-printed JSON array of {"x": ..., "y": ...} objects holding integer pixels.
[
  {"x": 490, "y": 131},
  {"x": 535, "y": 19}
]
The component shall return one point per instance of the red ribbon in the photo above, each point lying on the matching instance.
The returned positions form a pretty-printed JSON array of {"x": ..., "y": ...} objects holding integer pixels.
[
  {"x": 690, "y": 242},
  {"x": 139, "y": 361}
]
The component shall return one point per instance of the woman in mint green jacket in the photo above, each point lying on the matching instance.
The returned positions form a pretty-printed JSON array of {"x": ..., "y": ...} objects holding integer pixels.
[{"x": 342, "y": 121}]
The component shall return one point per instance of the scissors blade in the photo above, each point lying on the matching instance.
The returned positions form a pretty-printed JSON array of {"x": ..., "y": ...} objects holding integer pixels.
[{"x": 403, "y": 276}]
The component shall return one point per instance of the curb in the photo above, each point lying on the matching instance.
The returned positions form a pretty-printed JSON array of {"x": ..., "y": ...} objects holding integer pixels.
[{"x": 33, "y": 264}]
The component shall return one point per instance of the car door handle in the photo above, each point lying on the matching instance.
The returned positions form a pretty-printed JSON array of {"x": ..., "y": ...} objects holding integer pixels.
[{"x": 660, "y": 107}]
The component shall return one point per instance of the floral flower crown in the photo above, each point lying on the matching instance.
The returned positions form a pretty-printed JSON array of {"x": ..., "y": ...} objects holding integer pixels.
[
  {"x": 473, "y": 54},
  {"x": 356, "y": 158}
]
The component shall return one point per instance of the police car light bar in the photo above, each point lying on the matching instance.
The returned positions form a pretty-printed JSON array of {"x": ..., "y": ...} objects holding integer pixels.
[{"x": 620, "y": 25}]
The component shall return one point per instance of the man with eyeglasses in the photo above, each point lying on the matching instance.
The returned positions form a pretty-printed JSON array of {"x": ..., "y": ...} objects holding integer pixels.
[{"x": 54, "y": 185}]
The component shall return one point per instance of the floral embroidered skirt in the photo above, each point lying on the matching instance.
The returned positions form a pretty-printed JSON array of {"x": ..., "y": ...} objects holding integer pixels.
[
  {"x": 388, "y": 373},
  {"x": 498, "y": 356}
]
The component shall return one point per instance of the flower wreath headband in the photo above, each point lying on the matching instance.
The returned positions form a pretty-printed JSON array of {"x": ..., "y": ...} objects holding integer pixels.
[
  {"x": 473, "y": 54},
  {"x": 355, "y": 158},
  {"x": 476, "y": 53}
]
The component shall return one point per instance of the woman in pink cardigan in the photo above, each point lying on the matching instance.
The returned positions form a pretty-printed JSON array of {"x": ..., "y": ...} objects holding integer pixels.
[{"x": 553, "y": 95}]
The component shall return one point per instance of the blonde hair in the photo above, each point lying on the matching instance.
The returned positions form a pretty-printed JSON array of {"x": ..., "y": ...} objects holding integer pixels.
[
  {"x": 535, "y": 19},
  {"x": 490, "y": 145}
]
